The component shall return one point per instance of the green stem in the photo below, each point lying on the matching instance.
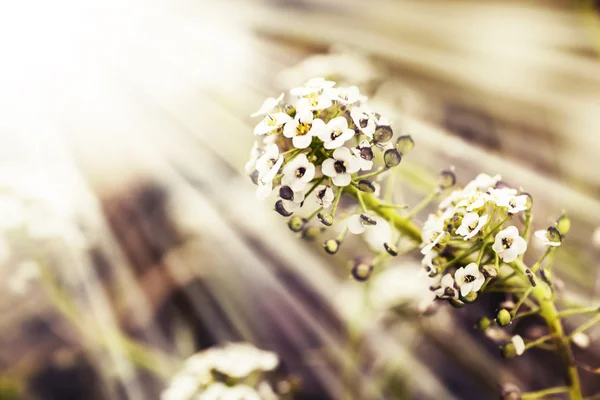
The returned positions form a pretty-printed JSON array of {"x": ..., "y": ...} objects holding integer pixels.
[
  {"x": 543, "y": 393},
  {"x": 422, "y": 204},
  {"x": 401, "y": 224},
  {"x": 575, "y": 311},
  {"x": 543, "y": 295}
]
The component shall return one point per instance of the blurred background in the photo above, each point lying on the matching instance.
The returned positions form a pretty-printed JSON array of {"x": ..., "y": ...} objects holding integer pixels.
[{"x": 132, "y": 239}]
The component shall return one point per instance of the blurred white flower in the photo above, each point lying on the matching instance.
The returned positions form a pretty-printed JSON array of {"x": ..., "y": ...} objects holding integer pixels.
[
  {"x": 507, "y": 197},
  {"x": 314, "y": 85},
  {"x": 364, "y": 120},
  {"x": 336, "y": 133},
  {"x": 508, "y": 244},
  {"x": 581, "y": 340},
  {"x": 432, "y": 233},
  {"x": 471, "y": 225},
  {"x": 268, "y": 106},
  {"x": 364, "y": 153},
  {"x": 347, "y": 96},
  {"x": 269, "y": 163},
  {"x": 519, "y": 344},
  {"x": 447, "y": 289},
  {"x": 271, "y": 122},
  {"x": 543, "y": 236},
  {"x": 358, "y": 223},
  {"x": 482, "y": 182},
  {"x": 325, "y": 195}
]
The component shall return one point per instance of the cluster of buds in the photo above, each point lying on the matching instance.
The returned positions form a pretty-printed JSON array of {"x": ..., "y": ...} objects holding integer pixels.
[
  {"x": 322, "y": 143},
  {"x": 234, "y": 371}
]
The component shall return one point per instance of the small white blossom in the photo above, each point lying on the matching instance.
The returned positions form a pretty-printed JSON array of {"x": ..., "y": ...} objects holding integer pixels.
[
  {"x": 302, "y": 128},
  {"x": 269, "y": 163},
  {"x": 298, "y": 172},
  {"x": 269, "y": 105},
  {"x": 471, "y": 225},
  {"x": 482, "y": 182},
  {"x": 508, "y": 244},
  {"x": 364, "y": 153},
  {"x": 296, "y": 203},
  {"x": 519, "y": 344},
  {"x": 324, "y": 195},
  {"x": 336, "y": 133},
  {"x": 473, "y": 200},
  {"x": 364, "y": 120},
  {"x": 314, "y": 85},
  {"x": 271, "y": 122},
  {"x": 255, "y": 154},
  {"x": 264, "y": 190},
  {"x": 544, "y": 237},
  {"x": 507, "y": 197},
  {"x": 349, "y": 95},
  {"x": 377, "y": 235},
  {"x": 427, "y": 262},
  {"x": 341, "y": 166},
  {"x": 447, "y": 289},
  {"x": 581, "y": 340},
  {"x": 469, "y": 279},
  {"x": 313, "y": 102},
  {"x": 432, "y": 234},
  {"x": 451, "y": 200}
]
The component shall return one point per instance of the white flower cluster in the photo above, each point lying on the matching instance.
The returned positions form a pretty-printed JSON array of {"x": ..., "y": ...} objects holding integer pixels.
[
  {"x": 316, "y": 144},
  {"x": 232, "y": 372},
  {"x": 466, "y": 218}
]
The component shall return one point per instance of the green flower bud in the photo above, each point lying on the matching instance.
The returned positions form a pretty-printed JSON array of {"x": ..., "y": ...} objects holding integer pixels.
[
  {"x": 296, "y": 224},
  {"x": 469, "y": 298},
  {"x": 365, "y": 185},
  {"x": 331, "y": 246},
  {"x": 326, "y": 219},
  {"x": 311, "y": 232},
  {"x": 483, "y": 323},
  {"x": 456, "y": 303},
  {"x": 367, "y": 219},
  {"x": 529, "y": 202},
  {"x": 286, "y": 193},
  {"x": 563, "y": 224},
  {"x": 554, "y": 235},
  {"x": 383, "y": 133},
  {"x": 391, "y": 249},
  {"x": 447, "y": 179},
  {"x": 392, "y": 158},
  {"x": 404, "y": 144},
  {"x": 361, "y": 270},
  {"x": 503, "y": 317},
  {"x": 509, "y": 350},
  {"x": 281, "y": 209}
]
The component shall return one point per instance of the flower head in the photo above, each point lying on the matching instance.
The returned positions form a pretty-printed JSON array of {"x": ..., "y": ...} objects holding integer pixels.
[
  {"x": 364, "y": 153},
  {"x": 271, "y": 122},
  {"x": 336, "y": 133},
  {"x": 302, "y": 128},
  {"x": 447, "y": 289},
  {"x": 324, "y": 195},
  {"x": 364, "y": 120},
  {"x": 298, "y": 172},
  {"x": 269, "y": 163},
  {"x": 469, "y": 279},
  {"x": 508, "y": 244},
  {"x": 268, "y": 106},
  {"x": 471, "y": 225},
  {"x": 549, "y": 237}
]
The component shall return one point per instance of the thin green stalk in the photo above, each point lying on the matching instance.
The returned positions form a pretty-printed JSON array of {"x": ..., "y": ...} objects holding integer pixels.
[
  {"x": 543, "y": 393},
  {"x": 422, "y": 204},
  {"x": 576, "y": 311}
]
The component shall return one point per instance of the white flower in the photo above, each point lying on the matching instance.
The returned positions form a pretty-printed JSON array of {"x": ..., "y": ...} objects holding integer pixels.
[
  {"x": 379, "y": 234},
  {"x": 519, "y": 344},
  {"x": 433, "y": 232},
  {"x": 364, "y": 153},
  {"x": 313, "y": 102},
  {"x": 482, "y": 182},
  {"x": 314, "y": 85},
  {"x": 358, "y": 223},
  {"x": 427, "y": 262},
  {"x": 296, "y": 203},
  {"x": 581, "y": 340},
  {"x": 508, "y": 244},
  {"x": 324, "y": 195},
  {"x": 302, "y": 128},
  {"x": 471, "y": 225},
  {"x": 264, "y": 190},
  {"x": 268, "y": 106},
  {"x": 298, "y": 172},
  {"x": 473, "y": 200},
  {"x": 255, "y": 154},
  {"x": 544, "y": 237},
  {"x": 507, "y": 197},
  {"x": 451, "y": 200},
  {"x": 364, "y": 120},
  {"x": 336, "y": 133},
  {"x": 341, "y": 166},
  {"x": 446, "y": 289},
  {"x": 271, "y": 122},
  {"x": 469, "y": 279},
  {"x": 269, "y": 163},
  {"x": 348, "y": 95}
]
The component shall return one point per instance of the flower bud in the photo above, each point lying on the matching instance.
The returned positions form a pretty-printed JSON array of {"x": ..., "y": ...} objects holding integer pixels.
[
  {"x": 361, "y": 270},
  {"x": 490, "y": 271},
  {"x": 510, "y": 391},
  {"x": 365, "y": 185},
  {"x": 391, "y": 249},
  {"x": 281, "y": 209},
  {"x": 563, "y": 224},
  {"x": 447, "y": 179},
  {"x": 311, "y": 233},
  {"x": 366, "y": 219},
  {"x": 503, "y": 317},
  {"x": 581, "y": 340},
  {"x": 286, "y": 193},
  {"x": 509, "y": 350},
  {"x": 529, "y": 202},
  {"x": 469, "y": 298},
  {"x": 404, "y": 144},
  {"x": 296, "y": 223},
  {"x": 483, "y": 323},
  {"x": 392, "y": 158},
  {"x": 326, "y": 219},
  {"x": 554, "y": 235},
  {"x": 383, "y": 133},
  {"x": 331, "y": 246}
]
